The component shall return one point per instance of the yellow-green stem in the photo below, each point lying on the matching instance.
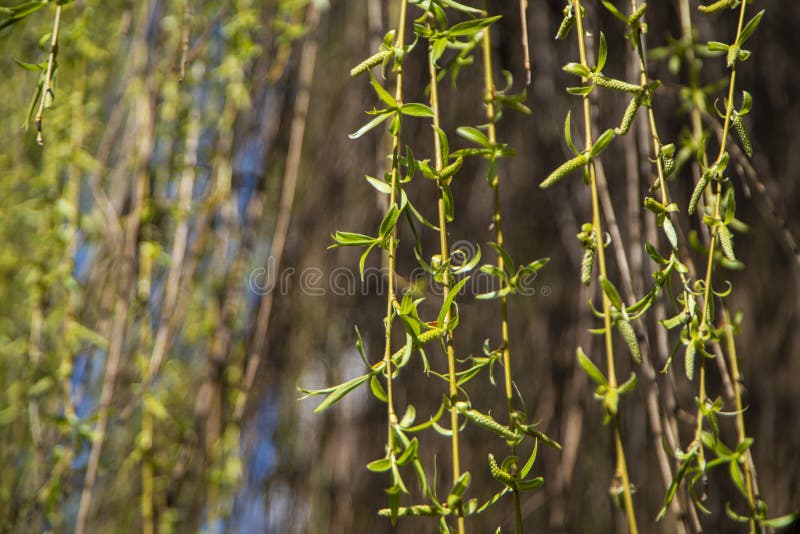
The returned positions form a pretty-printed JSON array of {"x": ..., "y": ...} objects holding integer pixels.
[
  {"x": 622, "y": 468},
  {"x": 47, "y": 88},
  {"x": 730, "y": 344},
  {"x": 390, "y": 298},
  {"x": 707, "y": 290},
  {"x": 497, "y": 220},
  {"x": 651, "y": 119},
  {"x": 446, "y": 282}
]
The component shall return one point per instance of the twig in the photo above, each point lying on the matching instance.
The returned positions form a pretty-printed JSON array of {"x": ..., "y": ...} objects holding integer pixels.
[{"x": 47, "y": 89}]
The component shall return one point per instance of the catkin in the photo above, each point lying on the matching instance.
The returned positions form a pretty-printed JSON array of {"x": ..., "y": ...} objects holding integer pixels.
[
  {"x": 629, "y": 336},
  {"x": 430, "y": 335},
  {"x": 653, "y": 205},
  {"x": 744, "y": 137},
  {"x": 417, "y": 510},
  {"x": 451, "y": 169},
  {"x": 717, "y": 6},
  {"x": 489, "y": 423},
  {"x": 560, "y": 173},
  {"x": 617, "y": 85},
  {"x": 566, "y": 24},
  {"x": 668, "y": 164},
  {"x": 726, "y": 240},
  {"x": 587, "y": 265},
  {"x": 690, "y": 352},
  {"x": 637, "y": 15},
  {"x": 627, "y": 118},
  {"x": 733, "y": 55},
  {"x": 500, "y": 474},
  {"x": 698, "y": 192},
  {"x": 370, "y": 62}
]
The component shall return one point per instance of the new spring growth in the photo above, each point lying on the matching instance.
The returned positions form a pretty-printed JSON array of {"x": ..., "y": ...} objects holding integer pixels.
[
  {"x": 616, "y": 85},
  {"x": 488, "y": 422},
  {"x": 719, "y": 6},
  {"x": 586, "y": 237},
  {"x": 451, "y": 169},
  {"x": 370, "y": 62},
  {"x": 738, "y": 123},
  {"x": 580, "y": 160},
  {"x": 630, "y": 113},
  {"x": 667, "y": 155},
  {"x": 726, "y": 240},
  {"x": 499, "y": 473}
]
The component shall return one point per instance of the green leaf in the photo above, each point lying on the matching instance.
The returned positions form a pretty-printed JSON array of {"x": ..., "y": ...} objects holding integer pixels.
[
  {"x": 389, "y": 221},
  {"x": 450, "y": 298},
  {"x": 669, "y": 231},
  {"x": 460, "y": 7},
  {"x": 750, "y": 27},
  {"x": 747, "y": 103},
  {"x": 473, "y": 134},
  {"x": 337, "y": 392},
  {"x": 716, "y": 46},
  {"x": 382, "y": 93},
  {"x": 602, "y": 55},
  {"x": 444, "y": 146},
  {"x": 676, "y": 481},
  {"x": 33, "y": 67},
  {"x": 601, "y": 143},
  {"x": 408, "y": 417},
  {"x": 611, "y": 292},
  {"x": 530, "y": 484},
  {"x": 385, "y": 114},
  {"x": 470, "y": 27},
  {"x": 591, "y": 369},
  {"x": 410, "y": 453},
  {"x": 577, "y": 69},
  {"x": 416, "y": 110},
  {"x": 380, "y": 466},
  {"x": 780, "y": 522},
  {"x": 734, "y": 516},
  {"x": 501, "y": 252},
  {"x": 629, "y": 385},
  {"x": 568, "y": 133},
  {"x": 580, "y": 90},
  {"x": 351, "y": 239},
  {"x": 379, "y": 185},
  {"x": 377, "y": 389},
  {"x": 737, "y": 477},
  {"x": 614, "y": 11}
]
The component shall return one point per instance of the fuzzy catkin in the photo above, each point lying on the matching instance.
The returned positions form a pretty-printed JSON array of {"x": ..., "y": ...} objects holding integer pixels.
[
  {"x": 698, "y": 192},
  {"x": 617, "y": 85},
  {"x": 498, "y": 473},
  {"x": 690, "y": 353},
  {"x": 726, "y": 240},
  {"x": 717, "y": 6},
  {"x": 629, "y": 336},
  {"x": 566, "y": 24},
  {"x": 627, "y": 118},
  {"x": 637, "y": 15},
  {"x": 587, "y": 265},
  {"x": 560, "y": 173},
  {"x": 417, "y": 510},
  {"x": 744, "y": 137},
  {"x": 489, "y": 423},
  {"x": 451, "y": 169},
  {"x": 370, "y": 62}
]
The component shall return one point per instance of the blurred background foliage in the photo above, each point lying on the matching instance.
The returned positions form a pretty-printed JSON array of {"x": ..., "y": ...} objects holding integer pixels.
[{"x": 188, "y": 146}]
